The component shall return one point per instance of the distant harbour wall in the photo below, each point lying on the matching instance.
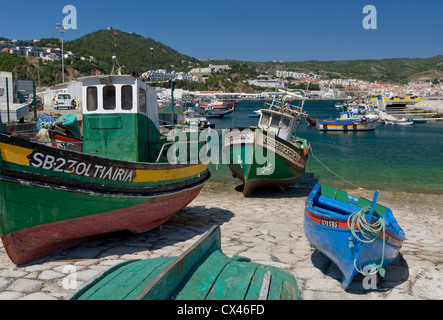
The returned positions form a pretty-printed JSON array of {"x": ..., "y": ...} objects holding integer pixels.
[{"x": 433, "y": 105}]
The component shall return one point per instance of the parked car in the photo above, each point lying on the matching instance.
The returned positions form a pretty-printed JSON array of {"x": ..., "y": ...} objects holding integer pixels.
[{"x": 64, "y": 100}]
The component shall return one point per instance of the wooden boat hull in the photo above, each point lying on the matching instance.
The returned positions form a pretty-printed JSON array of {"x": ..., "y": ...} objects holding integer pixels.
[
  {"x": 311, "y": 121},
  {"x": 54, "y": 198},
  {"x": 203, "y": 272},
  {"x": 346, "y": 125},
  {"x": 325, "y": 226},
  {"x": 243, "y": 152}
]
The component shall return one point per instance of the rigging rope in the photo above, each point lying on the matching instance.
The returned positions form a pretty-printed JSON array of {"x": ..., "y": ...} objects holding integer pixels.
[
  {"x": 312, "y": 154},
  {"x": 369, "y": 233}
]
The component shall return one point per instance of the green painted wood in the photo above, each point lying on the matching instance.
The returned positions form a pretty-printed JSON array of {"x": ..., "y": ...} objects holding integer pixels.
[
  {"x": 41, "y": 205},
  {"x": 202, "y": 272},
  {"x": 145, "y": 282},
  {"x": 122, "y": 136},
  {"x": 276, "y": 285},
  {"x": 256, "y": 283},
  {"x": 166, "y": 283},
  {"x": 89, "y": 288},
  {"x": 126, "y": 282},
  {"x": 202, "y": 280},
  {"x": 233, "y": 282}
]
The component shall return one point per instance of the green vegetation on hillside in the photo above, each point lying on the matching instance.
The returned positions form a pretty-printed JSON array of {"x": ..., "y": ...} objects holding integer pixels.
[{"x": 133, "y": 52}]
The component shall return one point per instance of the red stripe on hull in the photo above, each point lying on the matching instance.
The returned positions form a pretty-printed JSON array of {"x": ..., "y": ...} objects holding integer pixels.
[
  {"x": 343, "y": 224},
  {"x": 29, "y": 244}
]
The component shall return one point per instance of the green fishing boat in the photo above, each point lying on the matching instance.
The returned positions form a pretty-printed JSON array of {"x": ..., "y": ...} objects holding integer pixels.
[
  {"x": 268, "y": 155},
  {"x": 203, "y": 272},
  {"x": 53, "y": 198}
]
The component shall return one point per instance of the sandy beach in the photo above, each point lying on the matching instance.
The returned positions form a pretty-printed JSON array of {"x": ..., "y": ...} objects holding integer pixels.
[{"x": 266, "y": 227}]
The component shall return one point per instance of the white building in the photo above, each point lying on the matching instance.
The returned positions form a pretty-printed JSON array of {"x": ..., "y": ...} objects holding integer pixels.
[{"x": 267, "y": 83}]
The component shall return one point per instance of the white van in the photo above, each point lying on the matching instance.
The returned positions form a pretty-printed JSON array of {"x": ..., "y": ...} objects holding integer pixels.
[{"x": 63, "y": 100}]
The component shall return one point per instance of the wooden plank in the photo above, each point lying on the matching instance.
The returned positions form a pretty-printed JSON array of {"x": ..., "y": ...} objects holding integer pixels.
[
  {"x": 87, "y": 289},
  {"x": 276, "y": 286},
  {"x": 149, "y": 276},
  {"x": 259, "y": 285},
  {"x": 166, "y": 283},
  {"x": 233, "y": 282},
  {"x": 118, "y": 284},
  {"x": 202, "y": 280}
]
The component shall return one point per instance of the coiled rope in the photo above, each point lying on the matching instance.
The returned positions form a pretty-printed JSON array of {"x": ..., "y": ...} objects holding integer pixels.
[{"x": 369, "y": 233}]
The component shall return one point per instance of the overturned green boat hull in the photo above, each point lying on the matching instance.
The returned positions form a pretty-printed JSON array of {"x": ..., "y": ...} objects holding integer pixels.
[{"x": 201, "y": 273}]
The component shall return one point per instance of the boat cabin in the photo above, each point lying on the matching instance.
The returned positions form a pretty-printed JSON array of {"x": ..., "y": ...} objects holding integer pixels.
[
  {"x": 120, "y": 118},
  {"x": 280, "y": 123}
]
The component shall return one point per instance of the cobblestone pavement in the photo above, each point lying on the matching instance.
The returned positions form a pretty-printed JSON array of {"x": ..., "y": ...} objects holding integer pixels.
[{"x": 268, "y": 229}]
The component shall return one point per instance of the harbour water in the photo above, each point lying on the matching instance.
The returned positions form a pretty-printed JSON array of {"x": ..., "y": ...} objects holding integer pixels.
[{"x": 395, "y": 158}]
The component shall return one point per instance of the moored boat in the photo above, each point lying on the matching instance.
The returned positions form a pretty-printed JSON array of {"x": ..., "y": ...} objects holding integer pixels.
[
  {"x": 121, "y": 180},
  {"x": 347, "y": 124},
  {"x": 311, "y": 121},
  {"x": 403, "y": 122},
  {"x": 268, "y": 154},
  {"x": 352, "y": 232},
  {"x": 419, "y": 120},
  {"x": 220, "y": 104},
  {"x": 203, "y": 272}
]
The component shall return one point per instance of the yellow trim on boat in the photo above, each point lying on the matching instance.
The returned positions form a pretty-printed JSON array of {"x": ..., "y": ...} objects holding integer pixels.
[
  {"x": 19, "y": 155},
  {"x": 15, "y": 154},
  {"x": 169, "y": 174}
]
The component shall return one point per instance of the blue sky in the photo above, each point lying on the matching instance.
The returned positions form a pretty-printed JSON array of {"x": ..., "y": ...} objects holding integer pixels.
[{"x": 253, "y": 30}]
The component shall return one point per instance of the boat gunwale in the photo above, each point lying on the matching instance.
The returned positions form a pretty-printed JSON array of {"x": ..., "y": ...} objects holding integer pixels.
[{"x": 24, "y": 143}]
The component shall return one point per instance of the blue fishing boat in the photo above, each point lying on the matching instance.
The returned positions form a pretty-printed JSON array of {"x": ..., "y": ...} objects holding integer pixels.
[{"x": 352, "y": 232}]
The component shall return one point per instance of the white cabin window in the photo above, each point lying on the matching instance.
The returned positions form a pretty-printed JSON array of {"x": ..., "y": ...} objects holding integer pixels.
[
  {"x": 142, "y": 100},
  {"x": 265, "y": 119},
  {"x": 92, "y": 103},
  {"x": 285, "y": 123},
  {"x": 126, "y": 97},
  {"x": 275, "y": 121},
  {"x": 109, "y": 98}
]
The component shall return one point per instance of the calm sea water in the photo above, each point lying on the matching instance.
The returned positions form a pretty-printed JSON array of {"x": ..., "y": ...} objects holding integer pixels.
[{"x": 389, "y": 158}]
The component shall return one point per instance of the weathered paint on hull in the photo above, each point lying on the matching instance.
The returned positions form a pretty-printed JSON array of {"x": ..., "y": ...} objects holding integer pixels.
[
  {"x": 93, "y": 214},
  {"x": 283, "y": 172},
  {"x": 203, "y": 272},
  {"x": 328, "y": 231},
  {"x": 51, "y": 198}
]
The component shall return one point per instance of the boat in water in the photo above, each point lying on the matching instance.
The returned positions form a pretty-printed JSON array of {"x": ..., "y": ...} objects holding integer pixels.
[
  {"x": 190, "y": 119},
  {"x": 203, "y": 272},
  {"x": 218, "y": 104},
  {"x": 122, "y": 179},
  {"x": 269, "y": 154},
  {"x": 347, "y": 122},
  {"x": 403, "y": 122},
  {"x": 352, "y": 232},
  {"x": 311, "y": 121},
  {"x": 354, "y": 117}
]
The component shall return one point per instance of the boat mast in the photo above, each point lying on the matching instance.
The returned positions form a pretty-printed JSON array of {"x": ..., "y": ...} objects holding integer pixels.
[{"x": 114, "y": 57}]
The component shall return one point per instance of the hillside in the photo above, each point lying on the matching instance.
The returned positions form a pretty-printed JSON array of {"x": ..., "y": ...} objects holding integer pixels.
[
  {"x": 400, "y": 70},
  {"x": 133, "y": 52}
]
